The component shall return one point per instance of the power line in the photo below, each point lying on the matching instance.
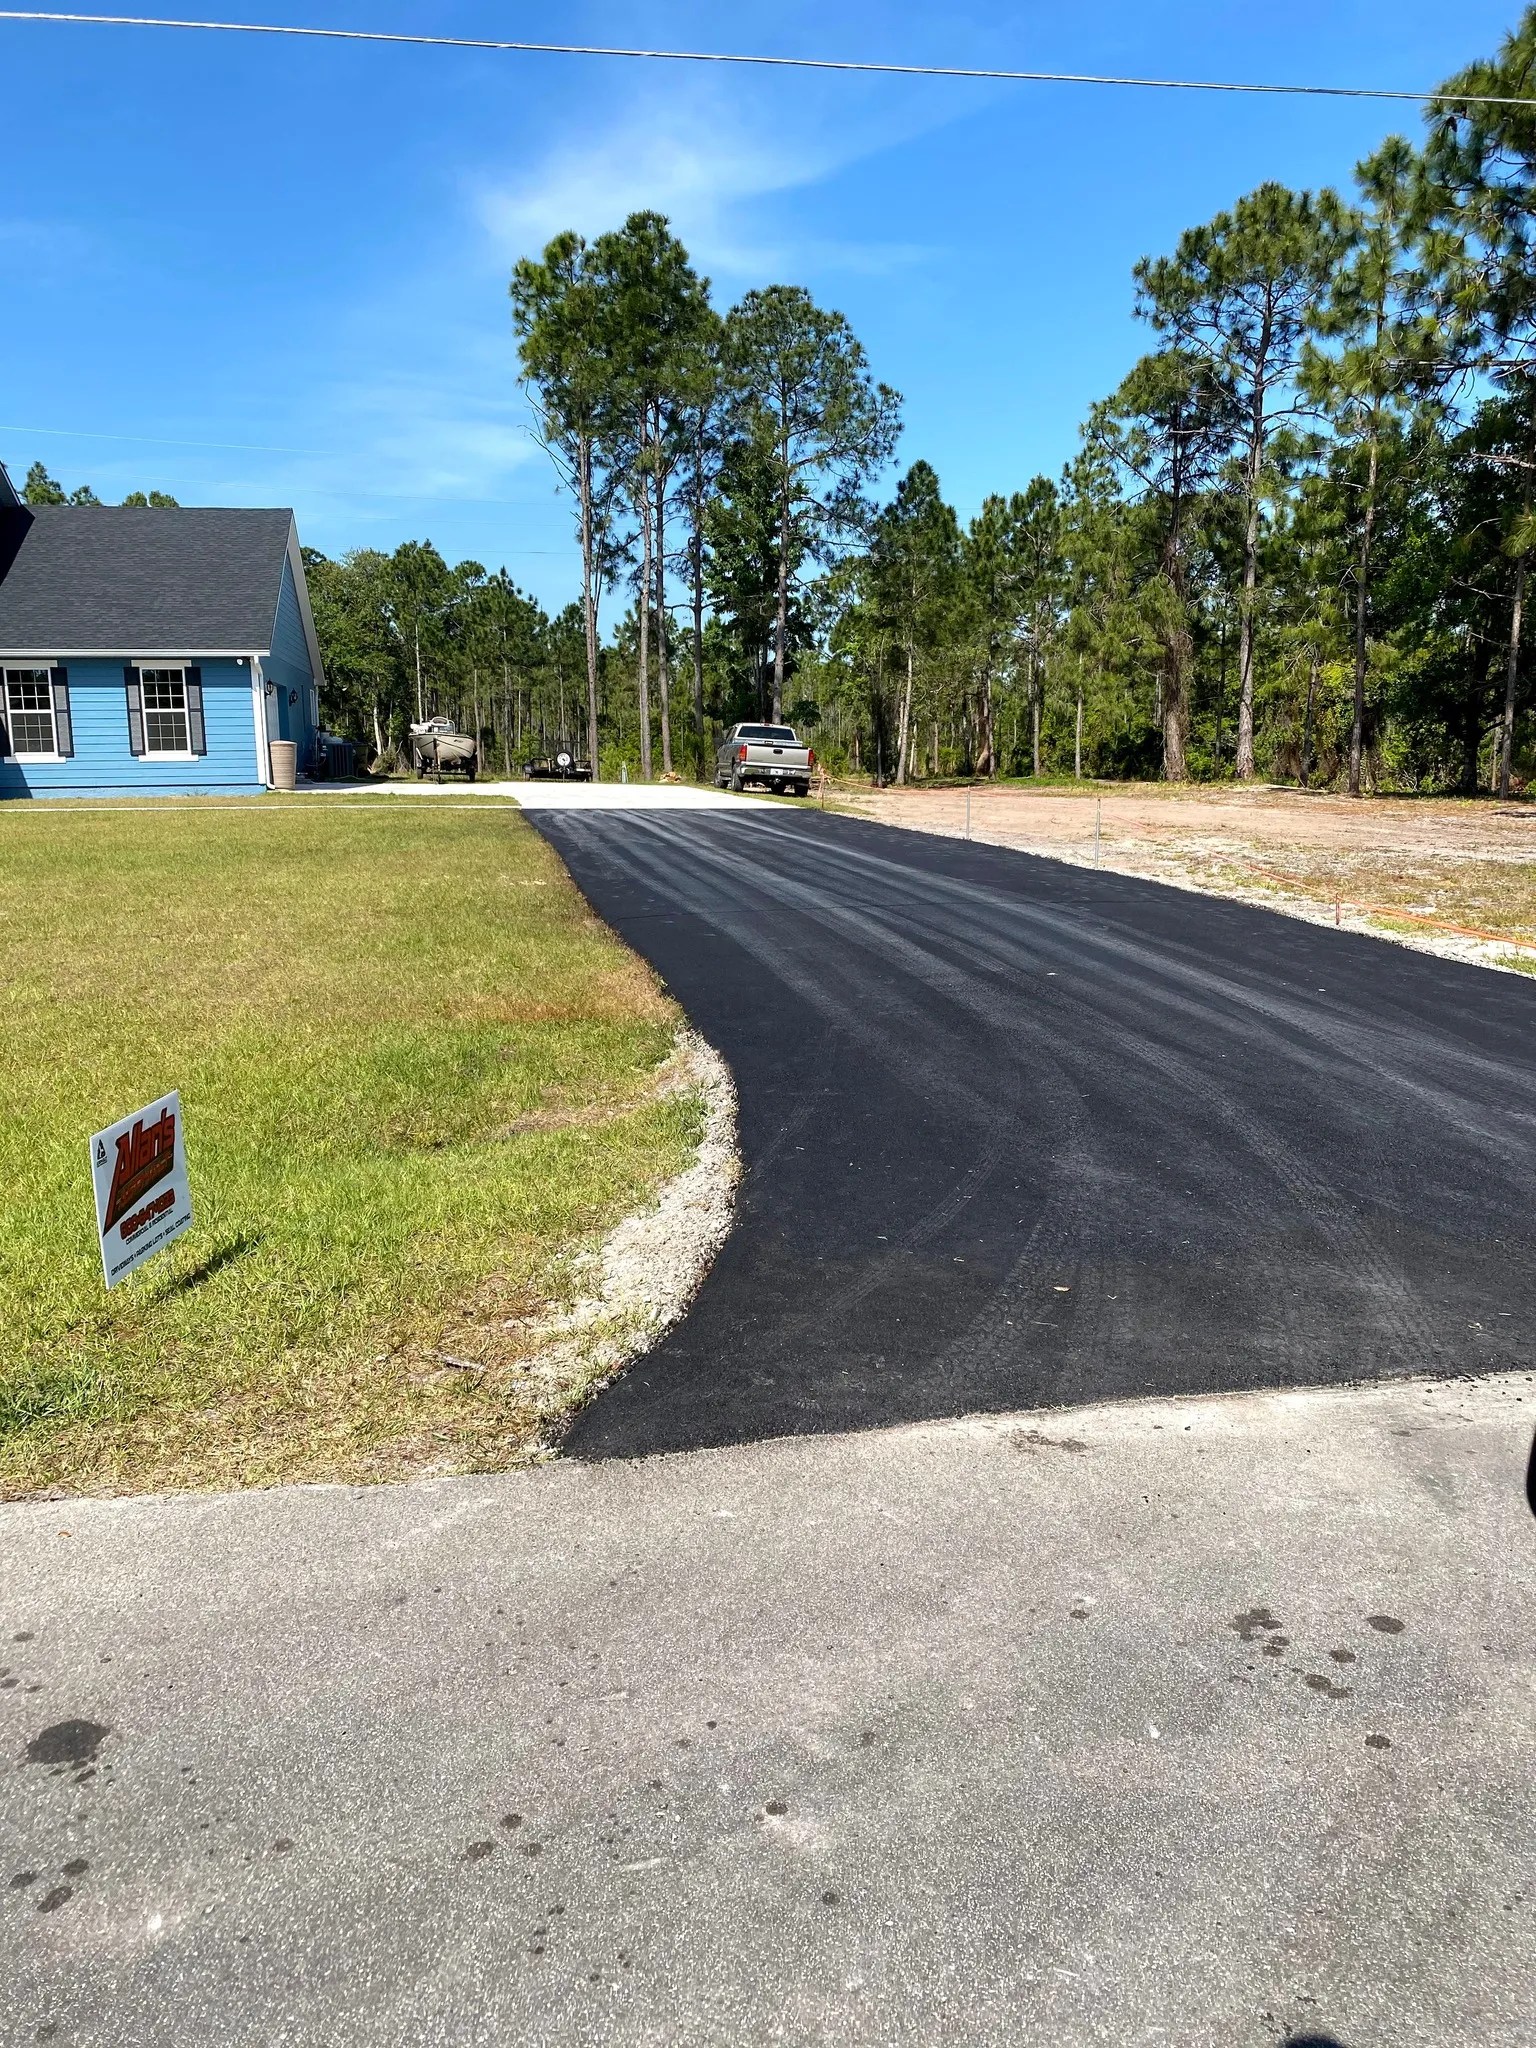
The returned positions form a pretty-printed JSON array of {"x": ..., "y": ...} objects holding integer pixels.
[
  {"x": 160, "y": 441},
  {"x": 366, "y": 35}
]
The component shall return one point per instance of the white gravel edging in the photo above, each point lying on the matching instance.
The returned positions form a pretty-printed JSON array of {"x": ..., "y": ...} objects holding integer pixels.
[{"x": 641, "y": 1279}]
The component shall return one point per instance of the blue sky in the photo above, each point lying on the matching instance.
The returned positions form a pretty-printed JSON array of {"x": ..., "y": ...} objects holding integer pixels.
[{"x": 262, "y": 271}]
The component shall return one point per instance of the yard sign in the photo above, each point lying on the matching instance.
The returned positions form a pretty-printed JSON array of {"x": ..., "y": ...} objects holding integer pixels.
[{"x": 142, "y": 1199}]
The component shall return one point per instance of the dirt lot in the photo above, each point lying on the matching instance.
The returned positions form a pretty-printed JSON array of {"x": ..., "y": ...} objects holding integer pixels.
[{"x": 1452, "y": 876}]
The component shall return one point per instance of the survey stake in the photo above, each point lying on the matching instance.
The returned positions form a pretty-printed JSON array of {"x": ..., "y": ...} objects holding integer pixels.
[{"x": 143, "y": 1202}]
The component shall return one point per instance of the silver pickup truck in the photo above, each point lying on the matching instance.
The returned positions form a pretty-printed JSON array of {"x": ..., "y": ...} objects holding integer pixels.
[{"x": 769, "y": 754}]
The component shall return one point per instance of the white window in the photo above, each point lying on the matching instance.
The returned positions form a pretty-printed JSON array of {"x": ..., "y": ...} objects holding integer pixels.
[
  {"x": 165, "y": 710},
  {"x": 29, "y": 711}
]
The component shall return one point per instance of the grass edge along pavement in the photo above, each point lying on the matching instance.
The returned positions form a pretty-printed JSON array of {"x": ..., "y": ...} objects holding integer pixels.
[{"x": 421, "y": 1082}]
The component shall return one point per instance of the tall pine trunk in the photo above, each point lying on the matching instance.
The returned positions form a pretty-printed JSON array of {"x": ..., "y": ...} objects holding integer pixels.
[
  {"x": 643, "y": 495},
  {"x": 588, "y": 595},
  {"x": 1511, "y": 677},
  {"x": 1175, "y": 706},
  {"x": 1362, "y": 623},
  {"x": 697, "y": 546},
  {"x": 781, "y": 618},
  {"x": 905, "y": 722},
  {"x": 1244, "y": 762},
  {"x": 1512, "y": 662},
  {"x": 663, "y": 675},
  {"x": 1178, "y": 646}
]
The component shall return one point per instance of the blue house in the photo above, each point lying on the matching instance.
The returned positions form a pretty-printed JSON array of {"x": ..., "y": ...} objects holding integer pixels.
[{"x": 150, "y": 650}]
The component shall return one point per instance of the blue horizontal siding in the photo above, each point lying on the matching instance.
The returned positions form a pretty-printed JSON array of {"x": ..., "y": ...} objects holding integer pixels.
[{"x": 103, "y": 765}]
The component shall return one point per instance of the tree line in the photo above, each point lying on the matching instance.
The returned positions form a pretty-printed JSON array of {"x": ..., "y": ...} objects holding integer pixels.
[
  {"x": 1294, "y": 542},
  {"x": 717, "y": 469}
]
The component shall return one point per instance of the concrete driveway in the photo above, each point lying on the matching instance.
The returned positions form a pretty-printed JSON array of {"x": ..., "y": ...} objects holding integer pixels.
[
  {"x": 1200, "y": 1722},
  {"x": 663, "y": 797}
]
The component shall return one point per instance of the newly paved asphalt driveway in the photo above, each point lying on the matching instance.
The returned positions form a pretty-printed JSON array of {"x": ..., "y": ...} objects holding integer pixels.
[{"x": 1018, "y": 1133}]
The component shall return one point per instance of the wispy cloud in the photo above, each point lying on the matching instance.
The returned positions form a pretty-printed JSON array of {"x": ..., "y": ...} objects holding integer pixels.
[
  {"x": 447, "y": 430},
  {"x": 435, "y": 433},
  {"x": 708, "y": 167},
  {"x": 698, "y": 179}
]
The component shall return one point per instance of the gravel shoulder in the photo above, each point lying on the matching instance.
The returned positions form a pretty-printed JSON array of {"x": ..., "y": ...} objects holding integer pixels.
[{"x": 630, "y": 1290}]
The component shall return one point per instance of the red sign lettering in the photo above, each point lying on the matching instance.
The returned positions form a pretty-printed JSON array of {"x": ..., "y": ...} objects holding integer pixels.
[{"x": 143, "y": 1157}]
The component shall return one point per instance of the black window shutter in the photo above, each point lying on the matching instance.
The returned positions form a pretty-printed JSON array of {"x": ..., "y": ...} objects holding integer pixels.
[
  {"x": 135, "y": 711},
  {"x": 195, "y": 733},
  {"x": 5, "y": 730},
  {"x": 63, "y": 724}
]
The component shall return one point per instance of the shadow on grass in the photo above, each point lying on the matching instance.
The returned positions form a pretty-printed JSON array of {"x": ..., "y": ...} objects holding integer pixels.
[{"x": 224, "y": 1255}]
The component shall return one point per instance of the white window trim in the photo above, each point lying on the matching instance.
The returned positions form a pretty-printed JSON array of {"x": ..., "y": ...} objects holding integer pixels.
[
  {"x": 52, "y": 760},
  {"x": 165, "y": 753}
]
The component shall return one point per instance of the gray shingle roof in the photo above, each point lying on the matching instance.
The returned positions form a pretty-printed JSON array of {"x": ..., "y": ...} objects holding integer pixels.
[{"x": 123, "y": 579}]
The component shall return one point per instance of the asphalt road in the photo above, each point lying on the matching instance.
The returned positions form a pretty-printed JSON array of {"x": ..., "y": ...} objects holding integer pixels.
[
  {"x": 1161, "y": 1725},
  {"x": 1021, "y": 1134}
]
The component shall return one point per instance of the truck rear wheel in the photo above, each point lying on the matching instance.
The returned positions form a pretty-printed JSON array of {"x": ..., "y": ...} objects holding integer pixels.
[{"x": 737, "y": 784}]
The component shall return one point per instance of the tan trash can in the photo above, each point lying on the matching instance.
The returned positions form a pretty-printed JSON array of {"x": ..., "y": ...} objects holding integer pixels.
[{"x": 285, "y": 763}]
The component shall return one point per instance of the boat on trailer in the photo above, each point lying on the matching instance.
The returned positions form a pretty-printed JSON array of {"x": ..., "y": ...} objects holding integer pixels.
[{"x": 437, "y": 743}]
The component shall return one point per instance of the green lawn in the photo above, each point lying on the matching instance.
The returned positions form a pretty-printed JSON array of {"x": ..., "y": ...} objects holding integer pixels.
[{"x": 415, "y": 1072}]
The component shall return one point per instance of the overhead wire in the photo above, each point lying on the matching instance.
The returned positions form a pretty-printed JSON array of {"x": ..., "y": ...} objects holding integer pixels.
[{"x": 874, "y": 66}]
